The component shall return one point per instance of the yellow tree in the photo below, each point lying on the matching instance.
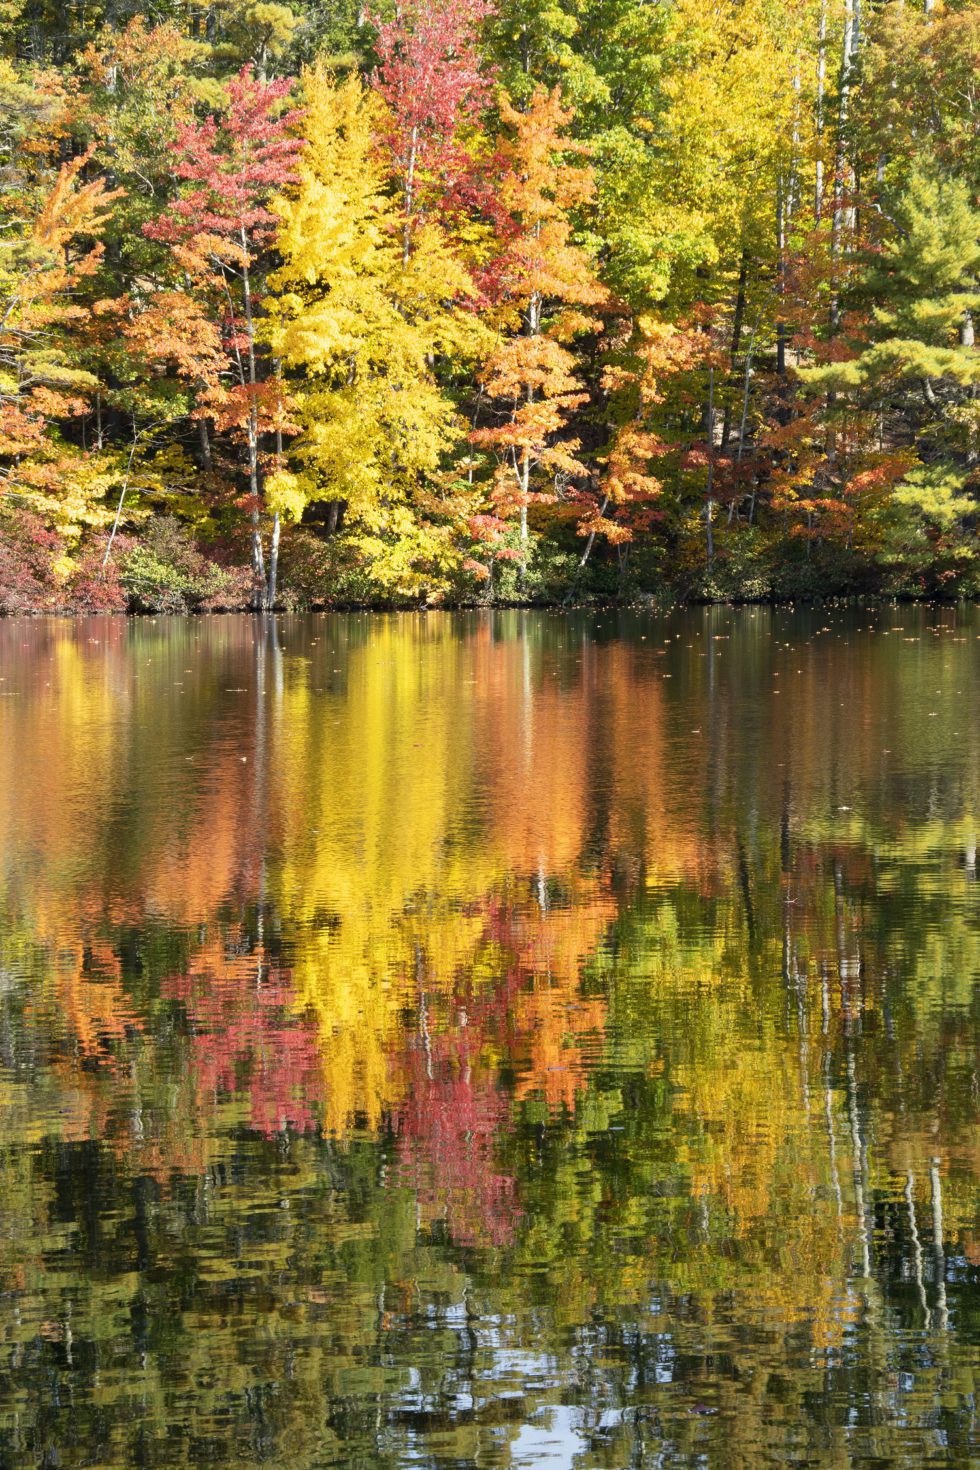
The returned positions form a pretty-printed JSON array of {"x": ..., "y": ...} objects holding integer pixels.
[
  {"x": 529, "y": 380},
  {"x": 711, "y": 218},
  {"x": 366, "y": 323}
]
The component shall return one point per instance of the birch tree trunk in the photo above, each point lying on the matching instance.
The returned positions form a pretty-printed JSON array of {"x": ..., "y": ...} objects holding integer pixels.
[
  {"x": 843, "y": 216},
  {"x": 409, "y": 197},
  {"x": 270, "y": 601},
  {"x": 252, "y": 432},
  {"x": 818, "y": 112}
]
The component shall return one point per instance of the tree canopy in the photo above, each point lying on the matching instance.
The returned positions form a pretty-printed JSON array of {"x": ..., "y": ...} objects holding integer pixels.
[{"x": 463, "y": 301}]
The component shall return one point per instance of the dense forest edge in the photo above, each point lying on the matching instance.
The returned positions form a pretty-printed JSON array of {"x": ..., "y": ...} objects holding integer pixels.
[{"x": 456, "y": 302}]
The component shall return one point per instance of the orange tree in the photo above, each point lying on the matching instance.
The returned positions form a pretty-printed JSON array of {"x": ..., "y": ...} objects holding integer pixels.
[{"x": 529, "y": 382}]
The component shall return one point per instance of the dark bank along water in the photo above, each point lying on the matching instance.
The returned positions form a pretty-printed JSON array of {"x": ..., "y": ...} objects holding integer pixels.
[{"x": 514, "y": 1040}]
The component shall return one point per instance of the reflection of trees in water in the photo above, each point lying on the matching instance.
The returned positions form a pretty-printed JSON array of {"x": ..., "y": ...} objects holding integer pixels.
[{"x": 466, "y": 1001}]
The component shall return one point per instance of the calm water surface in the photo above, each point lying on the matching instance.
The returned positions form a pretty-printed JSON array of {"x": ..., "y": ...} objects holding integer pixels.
[{"x": 521, "y": 1040}]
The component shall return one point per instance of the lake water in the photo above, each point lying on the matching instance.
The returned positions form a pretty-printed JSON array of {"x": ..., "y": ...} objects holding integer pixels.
[{"x": 513, "y": 1040}]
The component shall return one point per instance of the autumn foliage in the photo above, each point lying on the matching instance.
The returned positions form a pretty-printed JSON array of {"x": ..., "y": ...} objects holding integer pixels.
[{"x": 448, "y": 304}]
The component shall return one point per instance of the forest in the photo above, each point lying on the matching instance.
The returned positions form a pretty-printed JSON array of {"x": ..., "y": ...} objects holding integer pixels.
[{"x": 456, "y": 302}]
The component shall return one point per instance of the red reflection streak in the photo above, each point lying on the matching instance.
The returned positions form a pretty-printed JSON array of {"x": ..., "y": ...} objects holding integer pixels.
[
  {"x": 243, "y": 1026},
  {"x": 447, "y": 1134}
]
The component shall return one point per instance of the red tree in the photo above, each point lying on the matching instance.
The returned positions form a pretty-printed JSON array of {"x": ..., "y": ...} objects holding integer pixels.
[
  {"x": 433, "y": 79},
  {"x": 221, "y": 231}
]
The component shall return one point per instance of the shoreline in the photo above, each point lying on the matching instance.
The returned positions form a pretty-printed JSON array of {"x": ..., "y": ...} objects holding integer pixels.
[{"x": 648, "y": 604}]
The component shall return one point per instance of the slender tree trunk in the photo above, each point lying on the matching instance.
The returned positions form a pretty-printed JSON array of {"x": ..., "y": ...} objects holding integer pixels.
[
  {"x": 818, "y": 112},
  {"x": 258, "y": 555},
  {"x": 524, "y": 480},
  {"x": 590, "y": 539},
  {"x": 409, "y": 197},
  {"x": 204, "y": 439},
  {"x": 534, "y": 315},
  {"x": 746, "y": 381},
  {"x": 738, "y": 318},
  {"x": 622, "y": 557},
  {"x": 533, "y": 325},
  {"x": 709, "y": 506},
  {"x": 270, "y": 596},
  {"x": 122, "y": 498},
  {"x": 273, "y": 562},
  {"x": 781, "y": 333},
  {"x": 254, "y": 482},
  {"x": 745, "y": 393},
  {"x": 852, "y": 37},
  {"x": 852, "y": 19}
]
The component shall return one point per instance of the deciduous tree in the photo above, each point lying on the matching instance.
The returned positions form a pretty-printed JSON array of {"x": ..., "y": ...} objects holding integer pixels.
[
  {"x": 43, "y": 330},
  {"x": 530, "y": 381},
  {"x": 365, "y": 323},
  {"x": 222, "y": 230}
]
